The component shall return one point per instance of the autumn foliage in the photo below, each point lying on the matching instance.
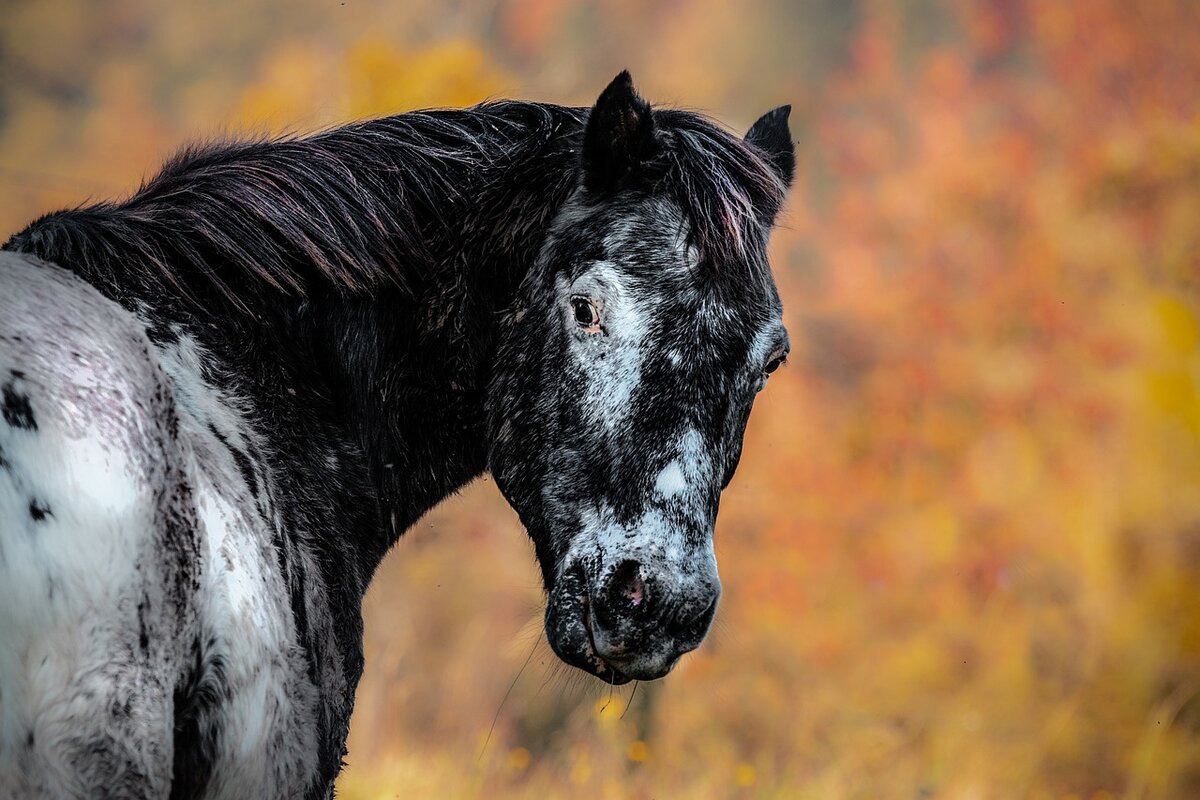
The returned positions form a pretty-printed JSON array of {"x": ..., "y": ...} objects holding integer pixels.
[{"x": 962, "y": 554}]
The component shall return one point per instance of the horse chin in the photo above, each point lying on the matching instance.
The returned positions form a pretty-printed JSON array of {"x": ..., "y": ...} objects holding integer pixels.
[{"x": 569, "y": 628}]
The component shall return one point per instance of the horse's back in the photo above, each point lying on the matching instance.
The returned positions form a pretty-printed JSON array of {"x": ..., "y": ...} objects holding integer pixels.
[{"x": 98, "y": 543}]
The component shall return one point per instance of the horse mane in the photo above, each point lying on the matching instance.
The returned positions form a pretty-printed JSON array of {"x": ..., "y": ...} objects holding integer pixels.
[
  {"x": 355, "y": 207},
  {"x": 362, "y": 206}
]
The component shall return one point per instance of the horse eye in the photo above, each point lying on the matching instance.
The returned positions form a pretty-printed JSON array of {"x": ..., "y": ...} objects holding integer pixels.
[
  {"x": 585, "y": 313},
  {"x": 775, "y": 363}
]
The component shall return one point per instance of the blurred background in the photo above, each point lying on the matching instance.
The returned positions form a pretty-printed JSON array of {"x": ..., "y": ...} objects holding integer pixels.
[{"x": 962, "y": 554}]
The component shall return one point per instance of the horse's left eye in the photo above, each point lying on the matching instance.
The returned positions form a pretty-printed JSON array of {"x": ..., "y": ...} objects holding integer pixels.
[
  {"x": 585, "y": 313},
  {"x": 775, "y": 363}
]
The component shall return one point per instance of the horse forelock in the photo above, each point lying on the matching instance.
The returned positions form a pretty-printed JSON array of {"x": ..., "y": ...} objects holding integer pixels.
[{"x": 727, "y": 192}]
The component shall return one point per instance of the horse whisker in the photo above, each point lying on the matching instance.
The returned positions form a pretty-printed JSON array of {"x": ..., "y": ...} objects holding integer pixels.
[
  {"x": 629, "y": 702},
  {"x": 504, "y": 700}
]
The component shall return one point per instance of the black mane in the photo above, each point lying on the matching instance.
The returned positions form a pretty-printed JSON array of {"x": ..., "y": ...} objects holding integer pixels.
[
  {"x": 353, "y": 208},
  {"x": 371, "y": 204}
]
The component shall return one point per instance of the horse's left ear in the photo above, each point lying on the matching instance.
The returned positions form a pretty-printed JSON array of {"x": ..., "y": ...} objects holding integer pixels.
[
  {"x": 619, "y": 135},
  {"x": 771, "y": 135}
]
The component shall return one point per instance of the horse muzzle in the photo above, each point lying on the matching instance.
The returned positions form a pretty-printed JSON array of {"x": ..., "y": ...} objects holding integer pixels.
[{"x": 633, "y": 623}]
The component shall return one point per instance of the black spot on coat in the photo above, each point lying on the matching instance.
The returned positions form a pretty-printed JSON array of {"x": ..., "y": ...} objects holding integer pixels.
[
  {"x": 38, "y": 511},
  {"x": 16, "y": 408}
]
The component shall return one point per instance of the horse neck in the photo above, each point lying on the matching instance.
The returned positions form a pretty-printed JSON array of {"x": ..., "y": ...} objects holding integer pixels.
[
  {"x": 369, "y": 391},
  {"x": 397, "y": 378}
]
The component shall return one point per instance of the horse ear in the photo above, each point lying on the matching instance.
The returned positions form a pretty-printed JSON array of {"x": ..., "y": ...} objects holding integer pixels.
[
  {"x": 618, "y": 137},
  {"x": 771, "y": 135}
]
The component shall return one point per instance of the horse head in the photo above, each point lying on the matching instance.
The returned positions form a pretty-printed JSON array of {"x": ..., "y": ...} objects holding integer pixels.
[{"x": 626, "y": 371}]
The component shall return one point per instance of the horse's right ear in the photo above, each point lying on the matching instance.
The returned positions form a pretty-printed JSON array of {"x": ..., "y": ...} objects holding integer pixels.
[{"x": 618, "y": 137}]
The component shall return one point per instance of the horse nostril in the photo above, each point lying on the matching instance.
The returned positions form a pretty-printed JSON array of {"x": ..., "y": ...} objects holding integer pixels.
[
  {"x": 625, "y": 593},
  {"x": 632, "y": 587}
]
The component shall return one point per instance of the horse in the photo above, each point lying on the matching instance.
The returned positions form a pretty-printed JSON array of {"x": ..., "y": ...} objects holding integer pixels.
[{"x": 225, "y": 398}]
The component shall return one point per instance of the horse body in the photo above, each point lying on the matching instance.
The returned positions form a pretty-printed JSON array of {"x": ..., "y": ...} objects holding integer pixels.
[{"x": 227, "y": 397}]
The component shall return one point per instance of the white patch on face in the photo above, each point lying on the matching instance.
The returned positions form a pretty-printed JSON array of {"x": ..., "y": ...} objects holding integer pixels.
[
  {"x": 683, "y": 479},
  {"x": 654, "y": 539},
  {"x": 651, "y": 538},
  {"x": 611, "y": 360},
  {"x": 671, "y": 482},
  {"x": 671, "y": 535}
]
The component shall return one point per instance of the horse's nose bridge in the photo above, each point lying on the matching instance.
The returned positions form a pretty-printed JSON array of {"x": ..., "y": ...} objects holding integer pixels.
[{"x": 679, "y": 469}]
